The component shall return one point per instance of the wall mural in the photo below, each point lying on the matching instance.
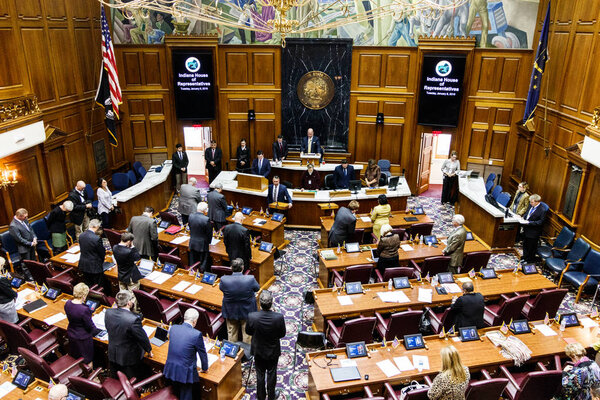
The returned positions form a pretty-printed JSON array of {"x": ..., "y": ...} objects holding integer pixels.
[{"x": 505, "y": 23}]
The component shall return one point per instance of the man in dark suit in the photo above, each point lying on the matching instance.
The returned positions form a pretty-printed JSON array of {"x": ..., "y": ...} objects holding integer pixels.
[
  {"x": 200, "y": 236},
  {"x": 242, "y": 154},
  {"x": 126, "y": 257},
  {"x": 217, "y": 207},
  {"x": 21, "y": 232},
  {"x": 81, "y": 204},
  {"x": 267, "y": 328},
  {"x": 310, "y": 143},
  {"x": 180, "y": 368},
  {"x": 344, "y": 224},
  {"x": 180, "y": 164},
  {"x": 189, "y": 198},
  {"x": 238, "y": 300},
  {"x": 280, "y": 149},
  {"x": 342, "y": 175},
  {"x": 532, "y": 227},
  {"x": 145, "y": 232},
  {"x": 278, "y": 193},
  {"x": 237, "y": 240},
  {"x": 468, "y": 308},
  {"x": 92, "y": 255},
  {"x": 127, "y": 341},
  {"x": 260, "y": 165},
  {"x": 213, "y": 156}
]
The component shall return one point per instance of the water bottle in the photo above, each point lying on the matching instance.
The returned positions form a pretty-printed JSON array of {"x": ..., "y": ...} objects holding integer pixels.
[
  {"x": 222, "y": 353},
  {"x": 390, "y": 285},
  {"x": 563, "y": 325}
]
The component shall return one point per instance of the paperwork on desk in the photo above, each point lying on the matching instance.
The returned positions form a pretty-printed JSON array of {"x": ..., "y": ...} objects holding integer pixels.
[
  {"x": 404, "y": 363},
  {"x": 425, "y": 295},
  {"x": 406, "y": 247},
  {"x": 346, "y": 362},
  {"x": 180, "y": 239},
  {"x": 388, "y": 368},
  {"x": 180, "y": 287},
  {"x": 193, "y": 289},
  {"x": 74, "y": 249},
  {"x": 55, "y": 318},
  {"x": 545, "y": 330},
  {"x": 421, "y": 362},
  {"x": 452, "y": 288},
  {"x": 393, "y": 297},
  {"x": 214, "y": 241},
  {"x": 211, "y": 359},
  {"x": 259, "y": 221},
  {"x": 465, "y": 279},
  {"x": 345, "y": 300},
  {"x": 365, "y": 219},
  {"x": 71, "y": 258},
  {"x": 6, "y": 388},
  {"x": 158, "y": 277},
  {"x": 149, "y": 329},
  {"x": 98, "y": 320},
  {"x": 587, "y": 322},
  {"x": 22, "y": 297},
  {"x": 159, "y": 230}
]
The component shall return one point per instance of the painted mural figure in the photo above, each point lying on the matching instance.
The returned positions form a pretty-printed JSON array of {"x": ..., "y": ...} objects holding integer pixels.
[
  {"x": 400, "y": 28},
  {"x": 445, "y": 25},
  {"x": 479, "y": 7}
]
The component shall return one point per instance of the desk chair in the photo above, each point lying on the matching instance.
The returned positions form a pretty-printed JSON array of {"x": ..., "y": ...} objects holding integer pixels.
[
  {"x": 488, "y": 186},
  {"x": 398, "y": 324},
  {"x": 559, "y": 247},
  {"x": 131, "y": 177},
  {"x": 8, "y": 249},
  {"x": 221, "y": 270},
  {"x": 172, "y": 259},
  {"x": 120, "y": 182},
  {"x": 328, "y": 182},
  {"x": 508, "y": 309},
  {"x": 108, "y": 389},
  {"x": 439, "y": 320},
  {"x": 357, "y": 236},
  {"x": 395, "y": 393},
  {"x": 355, "y": 273},
  {"x": 423, "y": 228},
  {"x": 547, "y": 301},
  {"x": 168, "y": 216},
  {"x": 130, "y": 391},
  {"x": 584, "y": 274},
  {"x": 44, "y": 237},
  {"x": 60, "y": 370},
  {"x": 488, "y": 388},
  {"x": 496, "y": 192},
  {"x": 37, "y": 341},
  {"x": 98, "y": 295},
  {"x": 354, "y": 330},
  {"x": 432, "y": 265},
  {"x": 503, "y": 199},
  {"x": 141, "y": 173},
  {"x": 209, "y": 323},
  {"x": 475, "y": 260},
  {"x": 391, "y": 273},
  {"x": 491, "y": 178},
  {"x": 367, "y": 394},
  {"x": 309, "y": 340},
  {"x": 532, "y": 385},
  {"x": 384, "y": 166},
  {"x": 58, "y": 283},
  {"x": 113, "y": 236},
  {"x": 401, "y": 232},
  {"x": 577, "y": 253},
  {"x": 157, "y": 309},
  {"x": 42, "y": 271},
  {"x": 89, "y": 193}
]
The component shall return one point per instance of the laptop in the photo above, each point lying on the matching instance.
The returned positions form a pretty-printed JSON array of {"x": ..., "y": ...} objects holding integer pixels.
[
  {"x": 344, "y": 374},
  {"x": 375, "y": 255},
  {"x": 352, "y": 247},
  {"x": 161, "y": 336},
  {"x": 266, "y": 247}
]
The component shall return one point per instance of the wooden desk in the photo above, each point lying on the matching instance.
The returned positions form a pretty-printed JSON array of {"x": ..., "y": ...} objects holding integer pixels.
[
  {"x": 328, "y": 307},
  {"x": 420, "y": 252},
  {"x": 396, "y": 221},
  {"x": 271, "y": 232},
  {"x": 292, "y": 172},
  {"x": 36, "y": 390},
  {"x": 476, "y": 355},
  {"x": 223, "y": 380}
]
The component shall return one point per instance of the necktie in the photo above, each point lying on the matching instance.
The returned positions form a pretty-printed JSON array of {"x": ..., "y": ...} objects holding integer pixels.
[
  {"x": 180, "y": 156},
  {"x": 213, "y": 153},
  {"x": 345, "y": 173},
  {"x": 530, "y": 212},
  {"x": 275, "y": 193},
  {"x": 281, "y": 147},
  {"x": 259, "y": 165},
  {"x": 25, "y": 225},
  {"x": 309, "y": 145}
]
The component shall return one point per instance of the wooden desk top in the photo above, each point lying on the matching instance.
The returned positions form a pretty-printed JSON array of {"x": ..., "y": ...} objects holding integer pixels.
[
  {"x": 249, "y": 222},
  {"x": 476, "y": 355},
  {"x": 329, "y": 306},
  {"x": 37, "y": 390},
  {"x": 396, "y": 220}
]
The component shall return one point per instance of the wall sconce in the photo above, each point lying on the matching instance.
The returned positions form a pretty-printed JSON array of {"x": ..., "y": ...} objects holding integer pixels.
[
  {"x": 8, "y": 178},
  {"x": 251, "y": 115}
]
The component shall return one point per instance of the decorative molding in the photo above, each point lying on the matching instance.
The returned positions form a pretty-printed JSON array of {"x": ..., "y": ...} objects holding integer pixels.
[
  {"x": 17, "y": 108},
  {"x": 593, "y": 129}
]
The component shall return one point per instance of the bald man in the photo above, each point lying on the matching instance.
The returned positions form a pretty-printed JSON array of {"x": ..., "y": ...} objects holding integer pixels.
[
  {"x": 81, "y": 204},
  {"x": 58, "y": 392},
  {"x": 237, "y": 240}
]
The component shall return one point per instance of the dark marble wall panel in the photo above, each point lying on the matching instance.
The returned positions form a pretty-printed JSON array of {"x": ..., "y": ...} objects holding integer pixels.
[{"x": 333, "y": 57}]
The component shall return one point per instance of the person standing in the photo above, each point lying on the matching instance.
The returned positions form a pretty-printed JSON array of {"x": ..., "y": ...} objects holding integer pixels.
[
  {"x": 189, "y": 198},
  {"x": 8, "y": 297},
  {"x": 380, "y": 214},
  {"x": 238, "y": 300},
  {"x": 452, "y": 381},
  {"x": 579, "y": 376},
  {"x": 521, "y": 200},
  {"x": 468, "y": 308},
  {"x": 55, "y": 220},
  {"x": 200, "y": 237},
  {"x": 343, "y": 174},
  {"x": 387, "y": 247},
  {"x": 105, "y": 204},
  {"x": 372, "y": 174},
  {"x": 278, "y": 193},
  {"x": 311, "y": 180},
  {"x": 127, "y": 341},
  {"x": 180, "y": 164},
  {"x": 81, "y": 329},
  {"x": 260, "y": 165},
  {"x": 532, "y": 227},
  {"x": 213, "y": 156},
  {"x": 92, "y": 255},
  {"x": 280, "y": 149},
  {"x": 217, "y": 206},
  {"x": 456, "y": 244},
  {"x": 145, "y": 232},
  {"x": 450, "y": 170},
  {"x": 180, "y": 368},
  {"x": 310, "y": 143},
  {"x": 237, "y": 240},
  {"x": 242, "y": 154},
  {"x": 266, "y": 328},
  {"x": 81, "y": 204},
  {"x": 21, "y": 232},
  {"x": 344, "y": 224},
  {"x": 126, "y": 257}
]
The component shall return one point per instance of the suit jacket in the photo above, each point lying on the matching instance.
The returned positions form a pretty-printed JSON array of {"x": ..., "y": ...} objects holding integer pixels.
[
  {"x": 238, "y": 295},
  {"x": 55, "y": 220},
  {"x": 315, "y": 147},
  {"x": 343, "y": 227},
  {"x": 522, "y": 205},
  {"x": 468, "y": 310},
  {"x": 456, "y": 246},
  {"x": 200, "y": 232},
  {"x": 92, "y": 253},
  {"x": 343, "y": 181},
  {"x": 145, "y": 234},
  {"x": 265, "y": 168},
  {"x": 266, "y": 328},
  {"x": 80, "y": 325},
  {"x": 217, "y": 206},
  {"x": 237, "y": 242},
  {"x": 279, "y": 153},
  {"x": 312, "y": 181},
  {"x": 242, "y": 155},
  {"x": 179, "y": 163},
  {"x": 534, "y": 228},
  {"x": 217, "y": 158},
  {"x": 76, "y": 216},
  {"x": 126, "y": 259},
  {"x": 282, "y": 195},
  {"x": 127, "y": 341},
  {"x": 188, "y": 199},
  {"x": 184, "y": 343},
  {"x": 22, "y": 234}
]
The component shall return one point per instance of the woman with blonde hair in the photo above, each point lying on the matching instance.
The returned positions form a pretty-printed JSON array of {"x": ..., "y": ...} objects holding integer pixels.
[
  {"x": 8, "y": 297},
  {"x": 380, "y": 215},
  {"x": 451, "y": 383},
  {"x": 81, "y": 329},
  {"x": 580, "y": 375}
]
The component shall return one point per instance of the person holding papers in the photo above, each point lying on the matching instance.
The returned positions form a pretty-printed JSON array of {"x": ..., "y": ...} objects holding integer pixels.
[
  {"x": 532, "y": 227},
  {"x": 468, "y": 308},
  {"x": 126, "y": 257},
  {"x": 452, "y": 381},
  {"x": 387, "y": 247},
  {"x": 456, "y": 243},
  {"x": 200, "y": 237},
  {"x": 310, "y": 143},
  {"x": 92, "y": 255},
  {"x": 8, "y": 297},
  {"x": 81, "y": 329}
]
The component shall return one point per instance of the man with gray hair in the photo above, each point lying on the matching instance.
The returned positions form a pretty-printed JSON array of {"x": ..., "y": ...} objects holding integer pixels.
[
  {"x": 127, "y": 341},
  {"x": 456, "y": 243},
  {"x": 92, "y": 255},
  {"x": 217, "y": 206},
  {"x": 238, "y": 300},
  {"x": 185, "y": 341},
  {"x": 81, "y": 204},
  {"x": 200, "y": 236},
  {"x": 189, "y": 197},
  {"x": 267, "y": 328},
  {"x": 532, "y": 222},
  {"x": 58, "y": 392},
  {"x": 468, "y": 309}
]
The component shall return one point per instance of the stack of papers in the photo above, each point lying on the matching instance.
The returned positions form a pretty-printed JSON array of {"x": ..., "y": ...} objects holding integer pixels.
[
  {"x": 98, "y": 320},
  {"x": 464, "y": 279},
  {"x": 180, "y": 239},
  {"x": 452, "y": 288},
  {"x": 588, "y": 322},
  {"x": 149, "y": 329},
  {"x": 345, "y": 300},
  {"x": 22, "y": 296},
  {"x": 421, "y": 362},
  {"x": 180, "y": 287},
  {"x": 404, "y": 363},
  {"x": 388, "y": 368},
  {"x": 214, "y": 241},
  {"x": 346, "y": 362},
  {"x": 328, "y": 255},
  {"x": 393, "y": 297},
  {"x": 55, "y": 318},
  {"x": 259, "y": 221},
  {"x": 74, "y": 249},
  {"x": 365, "y": 219},
  {"x": 425, "y": 295},
  {"x": 6, "y": 388},
  {"x": 71, "y": 258},
  {"x": 211, "y": 359},
  {"x": 545, "y": 330},
  {"x": 406, "y": 247},
  {"x": 158, "y": 277},
  {"x": 193, "y": 290}
]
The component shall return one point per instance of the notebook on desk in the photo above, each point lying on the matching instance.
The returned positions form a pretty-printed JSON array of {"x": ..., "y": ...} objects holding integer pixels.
[{"x": 344, "y": 374}]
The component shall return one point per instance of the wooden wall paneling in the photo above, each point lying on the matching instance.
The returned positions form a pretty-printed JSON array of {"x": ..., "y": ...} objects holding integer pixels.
[
  {"x": 29, "y": 193},
  {"x": 365, "y": 146},
  {"x": 236, "y": 69},
  {"x": 57, "y": 174},
  {"x": 590, "y": 96},
  {"x": 13, "y": 79},
  {"x": 6, "y": 10},
  {"x": 78, "y": 152},
  {"x": 553, "y": 188},
  {"x": 590, "y": 221},
  {"x": 35, "y": 49},
  {"x": 89, "y": 66},
  {"x": 264, "y": 68},
  {"x": 66, "y": 75},
  {"x": 578, "y": 60},
  {"x": 390, "y": 148},
  {"x": 56, "y": 11},
  {"x": 397, "y": 76},
  {"x": 30, "y": 10},
  {"x": 236, "y": 130},
  {"x": 553, "y": 78},
  {"x": 369, "y": 70},
  {"x": 536, "y": 173}
]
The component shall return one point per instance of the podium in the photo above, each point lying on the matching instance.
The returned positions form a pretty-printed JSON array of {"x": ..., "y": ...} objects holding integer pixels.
[
  {"x": 256, "y": 183},
  {"x": 310, "y": 158},
  {"x": 279, "y": 205}
]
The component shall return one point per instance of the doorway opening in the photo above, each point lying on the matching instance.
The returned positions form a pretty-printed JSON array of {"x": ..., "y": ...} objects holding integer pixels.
[
  {"x": 197, "y": 139},
  {"x": 435, "y": 148}
]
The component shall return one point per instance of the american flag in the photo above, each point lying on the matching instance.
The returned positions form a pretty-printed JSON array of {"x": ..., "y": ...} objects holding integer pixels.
[{"x": 110, "y": 64}]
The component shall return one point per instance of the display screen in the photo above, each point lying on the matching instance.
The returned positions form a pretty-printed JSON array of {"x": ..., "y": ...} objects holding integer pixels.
[
  {"x": 401, "y": 282},
  {"x": 418, "y": 211},
  {"x": 231, "y": 349},
  {"x": 266, "y": 246},
  {"x": 529, "y": 269},
  {"x": 520, "y": 326},
  {"x": 246, "y": 210},
  {"x": 570, "y": 319},
  {"x": 357, "y": 349},
  {"x": 488, "y": 273},
  {"x": 52, "y": 293},
  {"x": 92, "y": 305},
  {"x": 430, "y": 239},
  {"x": 353, "y": 288},
  {"x": 469, "y": 333},
  {"x": 445, "y": 277},
  {"x": 209, "y": 278},
  {"x": 469, "y": 236},
  {"x": 277, "y": 217},
  {"x": 413, "y": 342},
  {"x": 441, "y": 89},
  {"x": 193, "y": 84},
  {"x": 22, "y": 379},
  {"x": 169, "y": 268},
  {"x": 16, "y": 282}
]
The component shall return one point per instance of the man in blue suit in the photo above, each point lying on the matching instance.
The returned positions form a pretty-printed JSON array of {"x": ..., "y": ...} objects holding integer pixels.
[
  {"x": 310, "y": 143},
  {"x": 181, "y": 367},
  {"x": 343, "y": 174},
  {"x": 260, "y": 165},
  {"x": 532, "y": 222},
  {"x": 278, "y": 193},
  {"x": 238, "y": 300}
]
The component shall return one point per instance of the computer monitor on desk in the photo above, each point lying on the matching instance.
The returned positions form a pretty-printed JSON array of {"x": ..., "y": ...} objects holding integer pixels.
[
  {"x": 393, "y": 183},
  {"x": 354, "y": 186}
]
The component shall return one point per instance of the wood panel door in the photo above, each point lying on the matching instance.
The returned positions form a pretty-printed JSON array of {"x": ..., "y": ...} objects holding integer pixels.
[{"x": 425, "y": 162}]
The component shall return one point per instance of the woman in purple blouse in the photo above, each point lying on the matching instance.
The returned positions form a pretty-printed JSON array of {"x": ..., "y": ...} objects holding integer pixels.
[{"x": 81, "y": 329}]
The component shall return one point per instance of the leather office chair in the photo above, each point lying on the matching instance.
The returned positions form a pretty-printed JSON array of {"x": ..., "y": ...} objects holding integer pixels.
[
  {"x": 488, "y": 388},
  {"x": 136, "y": 165},
  {"x": 475, "y": 260},
  {"x": 157, "y": 309},
  {"x": 99, "y": 296},
  {"x": 420, "y": 229},
  {"x": 220, "y": 270},
  {"x": 383, "y": 180},
  {"x": 113, "y": 236},
  {"x": 401, "y": 232},
  {"x": 354, "y": 330},
  {"x": 355, "y": 273},
  {"x": 209, "y": 323},
  {"x": 398, "y": 324},
  {"x": 357, "y": 236},
  {"x": 58, "y": 283},
  {"x": 44, "y": 238},
  {"x": 120, "y": 182},
  {"x": 395, "y": 393},
  {"x": 503, "y": 199},
  {"x": 38, "y": 341},
  {"x": 42, "y": 271},
  {"x": 432, "y": 265},
  {"x": 584, "y": 274},
  {"x": 171, "y": 259},
  {"x": 438, "y": 320},
  {"x": 577, "y": 253},
  {"x": 109, "y": 388},
  {"x": 59, "y": 371},
  {"x": 496, "y": 192},
  {"x": 9, "y": 250},
  {"x": 328, "y": 182},
  {"x": 560, "y": 245},
  {"x": 547, "y": 301},
  {"x": 130, "y": 391},
  {"x": 89, "y": 193},
  {"x": 531, "y": 385},
  {"x": 508, "y": 309},
  {"x": 309, "y": 340},
  {"x": 391, "y": 273},
  {"x": 168, "y": 216}
]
